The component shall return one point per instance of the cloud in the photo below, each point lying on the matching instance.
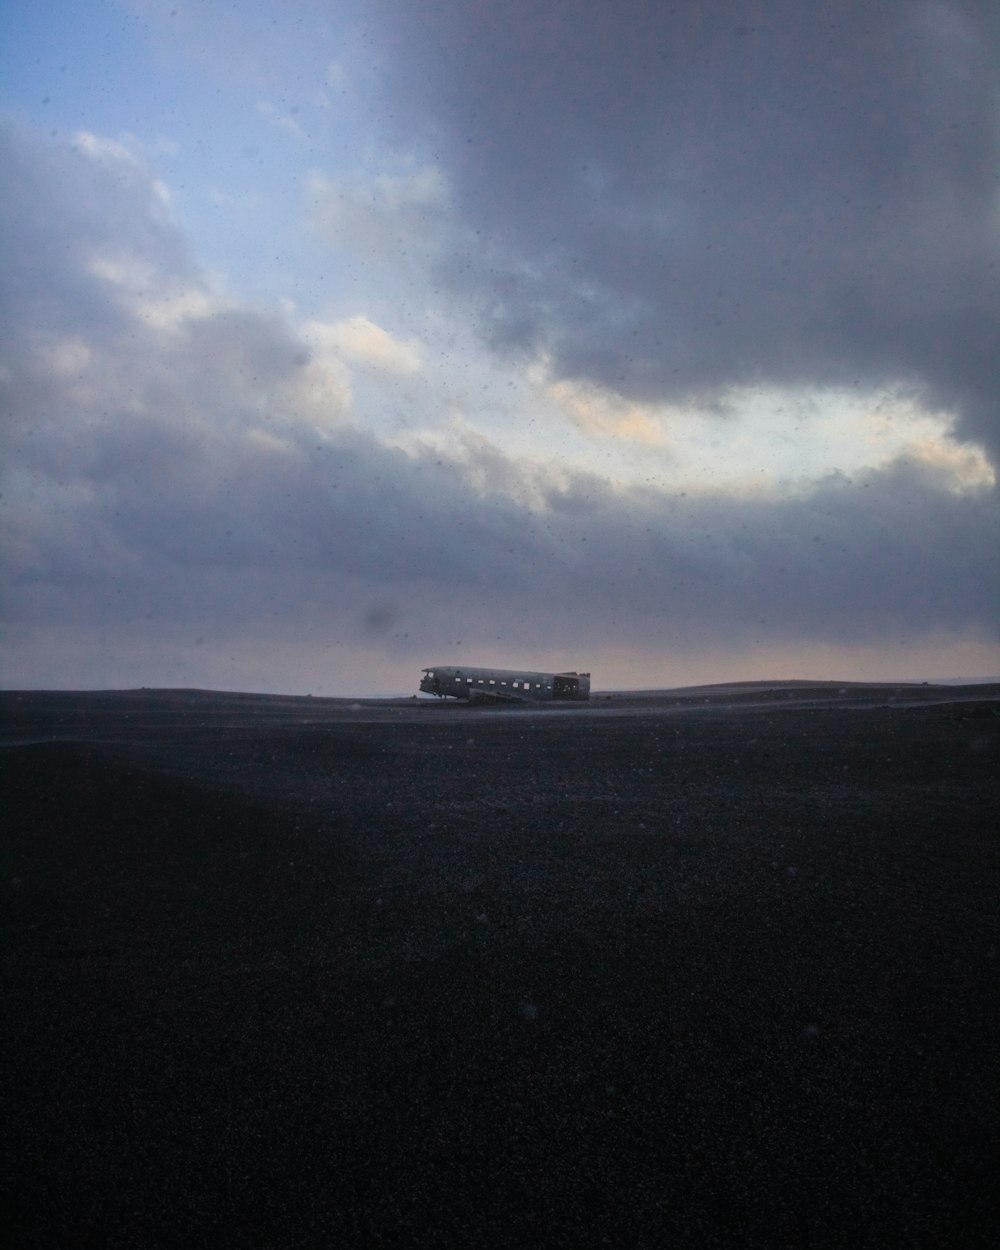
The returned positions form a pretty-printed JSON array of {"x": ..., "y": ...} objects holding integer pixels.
[
  {"x": 283, "y": 119},
  {"x": 668, "y": 200},
  {"x": 388, "y": 219},
  {"x": 361, "y": 341},
  {"x": 600, "y": 413},
  {"x": 195, "y": 478}
]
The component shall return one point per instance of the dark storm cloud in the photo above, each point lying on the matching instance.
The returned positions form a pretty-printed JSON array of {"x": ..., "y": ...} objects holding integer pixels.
[
  {"x": 169, "y": 475},
  {"x": 670, "y": 198}
]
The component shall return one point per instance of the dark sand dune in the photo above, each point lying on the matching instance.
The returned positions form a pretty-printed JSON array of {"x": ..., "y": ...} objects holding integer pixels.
[{"x": 690, "y": 968}]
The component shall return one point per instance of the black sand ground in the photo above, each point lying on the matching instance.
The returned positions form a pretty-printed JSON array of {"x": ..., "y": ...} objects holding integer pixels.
[{"x": 718, "y": 970}]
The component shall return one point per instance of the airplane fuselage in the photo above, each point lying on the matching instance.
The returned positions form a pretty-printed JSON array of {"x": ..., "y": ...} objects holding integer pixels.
[{"x": 502, "y": 685}]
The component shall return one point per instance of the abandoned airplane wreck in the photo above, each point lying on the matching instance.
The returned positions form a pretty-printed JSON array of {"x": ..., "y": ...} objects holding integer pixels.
[{"x": 501, "y": 685}]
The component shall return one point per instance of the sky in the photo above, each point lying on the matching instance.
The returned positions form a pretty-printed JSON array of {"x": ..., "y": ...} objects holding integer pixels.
[{"x": 656, "y": 340}]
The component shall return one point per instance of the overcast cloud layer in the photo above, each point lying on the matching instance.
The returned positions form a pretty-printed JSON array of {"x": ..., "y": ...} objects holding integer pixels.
[
  {"x": 676, "y": 197},
  {"x": 650, "y": 205}
]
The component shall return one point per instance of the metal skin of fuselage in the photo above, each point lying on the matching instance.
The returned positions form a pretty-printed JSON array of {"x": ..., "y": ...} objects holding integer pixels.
[{"x": 502, "y": 685}]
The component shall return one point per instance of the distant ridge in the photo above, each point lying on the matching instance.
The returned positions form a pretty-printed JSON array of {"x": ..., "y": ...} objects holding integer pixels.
[
  {"x": 805, "y": 683},
  {"x": 195, "y": 694}
]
